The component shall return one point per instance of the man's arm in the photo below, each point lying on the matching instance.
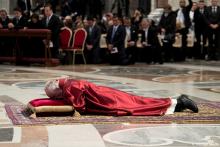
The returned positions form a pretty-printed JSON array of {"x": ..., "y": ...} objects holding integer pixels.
[{"x": 189, "y": 6}]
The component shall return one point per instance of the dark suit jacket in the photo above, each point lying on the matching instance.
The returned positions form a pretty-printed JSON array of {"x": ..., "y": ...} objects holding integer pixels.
[
  {"x": 199, "y": 20},
  {"x": 119, "y": 37},
  {"x": 54, "y": 25},
  {"x": 133, "y": 33},
  {"x": 212, "y": 18},
  {"x": 186, "y": 11},
  {"x": 152, "y": 38},
  {"x": 5, "y": 22},
  {"x": 168, "y": 23},
  {"x": 94, "y": 37},
  {"x": 20, "y": 24}
]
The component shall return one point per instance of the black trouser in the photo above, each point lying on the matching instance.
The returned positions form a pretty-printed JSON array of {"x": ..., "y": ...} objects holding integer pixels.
[
  {"x": 168, "y": 51},
  {"x": 131, "y": 53},
  {"x": 201, "y": 41},
  {"x": 213, "y": 38},
  {"x": 183, "y": 50}
]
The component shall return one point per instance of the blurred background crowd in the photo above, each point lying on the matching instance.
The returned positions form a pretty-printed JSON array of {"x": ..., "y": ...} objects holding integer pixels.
[{"x": 119, "y": 36}]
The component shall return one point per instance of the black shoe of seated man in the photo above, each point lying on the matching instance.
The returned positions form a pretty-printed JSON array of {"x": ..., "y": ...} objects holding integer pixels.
[{"x": 183, "y": 102}]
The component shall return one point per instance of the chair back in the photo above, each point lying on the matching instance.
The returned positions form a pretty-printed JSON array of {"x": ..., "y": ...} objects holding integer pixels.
[
  {"x": 79, "y": 39},
  {"x": 65, "y": 37}
]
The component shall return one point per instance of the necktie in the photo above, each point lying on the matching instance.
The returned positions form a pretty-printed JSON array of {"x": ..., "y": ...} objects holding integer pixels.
[
  {"x": 17, "y": 20},
  {"x": 201, "y": 11},
  {"x": 90, "y": 31},
  {"x": 113, "y": 32},
  {"x": 47, "y": 21}
]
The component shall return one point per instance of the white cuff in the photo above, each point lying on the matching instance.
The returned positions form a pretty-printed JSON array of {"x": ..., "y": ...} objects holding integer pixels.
[{"x": 172, "y": 107}]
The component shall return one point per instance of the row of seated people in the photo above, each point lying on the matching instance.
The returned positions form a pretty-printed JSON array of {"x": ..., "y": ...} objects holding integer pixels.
[
  {"x": 121, "y": 30},
  {"x": 124, "y": 44}
]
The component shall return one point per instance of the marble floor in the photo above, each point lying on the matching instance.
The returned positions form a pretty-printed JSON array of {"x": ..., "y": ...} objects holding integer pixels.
[{"x": 199, "y": 80}]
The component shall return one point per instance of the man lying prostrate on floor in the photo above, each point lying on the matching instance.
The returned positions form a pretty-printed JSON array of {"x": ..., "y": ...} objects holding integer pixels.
[{"x": 88, "y": 98}]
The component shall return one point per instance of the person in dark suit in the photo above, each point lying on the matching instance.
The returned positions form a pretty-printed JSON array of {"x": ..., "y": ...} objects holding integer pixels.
[
  {"x": 150, "y": 42},
  {"x": 131, "y": 40},
  {"x": 183, "y": 23},
  {"x": 115, "y": 42},
  {"x": 92, "y": 42},
  {"x": 167, "y": 27},
  {"x": 213, "y": 21},
  {"x": 200, "y": 29},
  {"x": 53, "y": 23},
  {"x": 18, "y": 22}
]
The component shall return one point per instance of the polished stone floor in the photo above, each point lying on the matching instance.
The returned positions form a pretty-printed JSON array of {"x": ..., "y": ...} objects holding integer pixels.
[{"x": 197, "y": 79}]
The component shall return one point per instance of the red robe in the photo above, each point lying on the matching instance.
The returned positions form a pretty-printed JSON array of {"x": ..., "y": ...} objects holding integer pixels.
[{"x": 88, "y": 98}]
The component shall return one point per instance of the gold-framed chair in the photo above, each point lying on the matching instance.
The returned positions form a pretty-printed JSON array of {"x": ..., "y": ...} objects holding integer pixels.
[{"x": 78, "y": 45}]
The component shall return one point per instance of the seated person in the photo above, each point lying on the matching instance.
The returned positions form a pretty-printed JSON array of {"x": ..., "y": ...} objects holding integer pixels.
[
  {"x": 88, "y": 98},
  {"x": 4, "y": 19},
  {"x": 19, "y": 21}
]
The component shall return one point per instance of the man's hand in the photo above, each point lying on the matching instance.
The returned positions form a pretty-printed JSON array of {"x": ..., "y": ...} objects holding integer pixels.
[
  {"x": 110, "y": 47},
  {"x": 11, "y": 25},
  {"x": 131, "y": 43},
  {"x": 214, "y": 26},
  {"x": 89, "y": 47}
]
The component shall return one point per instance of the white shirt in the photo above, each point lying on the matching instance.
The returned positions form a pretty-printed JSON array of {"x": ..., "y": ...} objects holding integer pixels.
[
  {"x": 214, "y": 9},
  {"x": 146, "y": 33},
  {"x": 180, "y": 16},
  {"x": 128, "y": 33},
  {"x": 191, "y": 15}
]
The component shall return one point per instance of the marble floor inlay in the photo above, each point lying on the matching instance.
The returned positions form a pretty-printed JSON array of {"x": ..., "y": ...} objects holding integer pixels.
[
  {"x": 199, "y": 80},
  {"x": 185, "y": 135}
]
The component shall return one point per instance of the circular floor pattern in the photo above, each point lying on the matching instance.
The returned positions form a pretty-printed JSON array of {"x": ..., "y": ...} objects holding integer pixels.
[
  {"x": 186, "y": 78},
  {"x": 149, "y": 70},
  {"x": 173, "y": 135}
]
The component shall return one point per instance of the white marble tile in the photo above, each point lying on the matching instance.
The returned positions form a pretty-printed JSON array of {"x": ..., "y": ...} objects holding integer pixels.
[{"x": 74, "y": 136}]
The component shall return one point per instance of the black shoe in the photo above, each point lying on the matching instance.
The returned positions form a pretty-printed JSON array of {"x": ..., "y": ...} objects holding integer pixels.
[{"x": 183, "y": 102}]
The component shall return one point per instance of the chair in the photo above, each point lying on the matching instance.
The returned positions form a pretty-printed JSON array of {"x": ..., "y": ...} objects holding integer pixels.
[
  {"x": 65, "y": 38},
  {"x": 78, "y": 45}
]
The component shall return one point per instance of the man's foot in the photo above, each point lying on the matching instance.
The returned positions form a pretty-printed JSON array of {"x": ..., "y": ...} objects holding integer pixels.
[{"x": 183, "y": 102}]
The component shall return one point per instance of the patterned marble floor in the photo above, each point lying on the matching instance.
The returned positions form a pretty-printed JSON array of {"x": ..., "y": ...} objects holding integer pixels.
[{"x": 199, "y": 80}]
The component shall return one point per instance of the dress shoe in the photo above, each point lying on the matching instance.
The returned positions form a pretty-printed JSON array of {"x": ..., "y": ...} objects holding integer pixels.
[{"x": 183, "y": 102}]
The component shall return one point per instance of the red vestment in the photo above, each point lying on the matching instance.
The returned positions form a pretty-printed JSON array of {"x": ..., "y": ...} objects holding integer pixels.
[{"x": 88, "y": 98}]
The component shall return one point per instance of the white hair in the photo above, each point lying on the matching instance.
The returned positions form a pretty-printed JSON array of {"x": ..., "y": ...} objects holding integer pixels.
[{"x": 52, "y": 89}]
